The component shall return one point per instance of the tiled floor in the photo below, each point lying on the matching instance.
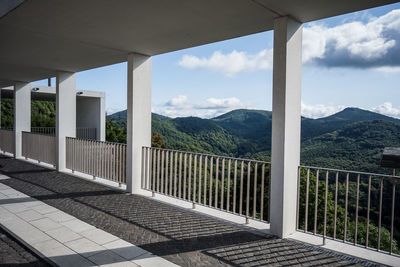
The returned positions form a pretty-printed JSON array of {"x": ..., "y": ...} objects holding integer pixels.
[
  {"x": 180, "y": 236},
  {"x": 62, "y": 238}
]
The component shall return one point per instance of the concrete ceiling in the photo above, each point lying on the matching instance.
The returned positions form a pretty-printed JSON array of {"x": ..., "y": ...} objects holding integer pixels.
[{"x": 41, "y": 37}]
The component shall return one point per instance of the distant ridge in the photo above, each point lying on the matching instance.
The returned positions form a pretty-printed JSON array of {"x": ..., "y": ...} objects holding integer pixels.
[{"x": 350, "y": 139}]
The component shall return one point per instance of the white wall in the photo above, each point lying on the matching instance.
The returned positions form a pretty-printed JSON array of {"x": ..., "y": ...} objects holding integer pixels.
[{"x": 90, "y": 112}]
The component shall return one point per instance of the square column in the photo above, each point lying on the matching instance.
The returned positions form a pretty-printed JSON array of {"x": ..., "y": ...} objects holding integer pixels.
[
  {"x": 65, "y": 114},
  {"x": 286, "y": 125},
  {"x": 138, "y": 117},
  {"x": 22, "y": 114}
]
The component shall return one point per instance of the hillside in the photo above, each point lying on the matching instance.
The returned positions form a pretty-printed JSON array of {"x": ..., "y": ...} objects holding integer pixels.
[
  {"x": 350, "y": 139},
  {"x": 315, "y": 127}
]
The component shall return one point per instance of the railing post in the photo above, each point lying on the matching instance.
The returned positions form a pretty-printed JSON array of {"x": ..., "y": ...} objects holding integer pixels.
[{"x": 286, "y": 119}]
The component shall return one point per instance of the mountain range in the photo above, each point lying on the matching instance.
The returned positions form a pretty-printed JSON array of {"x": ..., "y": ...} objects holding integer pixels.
[{"x": 352, "y": 139}]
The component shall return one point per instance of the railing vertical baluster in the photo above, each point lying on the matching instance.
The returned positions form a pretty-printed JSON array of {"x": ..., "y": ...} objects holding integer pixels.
[
  {"x": 154, "y": 162},
  {"x": 180, "y": 176},
  {"x": 228, "y": 185},
  {"x": 255, "y": 191},
  {"x": 380, "y": 213},
  {"x": 175, "y": 172},
  {"x": 200, "y": 184},
  {"x": 326, "y": 204},
  {"x": 190, "y": 178},
  {"x": 307, "y": 192},
  {"x": 392, "y": 217},
  {"x": 316, "y": 201},
  {"x": 211, "y": 182},
  {"x": 234, "y": 186},
  {"x": 368, "y": 210},
  {"x": 262, "y": 193},
  {"x": 298, "y": 198},
  {"x": 241, "y": 189},
  {"x": 162, "y": 171},
  {"x": 346, "y": 206},
  {"x": 184, "y": 175},
  {"x": 166, "y": 172},
  {"x": 194, "y": 178},
  {"x": 216, "y": 182},
  {"x": 222, "y": 184},
  {"x": 205, "y": 181},
  {"x": 357, "y": 202},
  {"x": 158, "y": 171},
  {"x": 336, "y": 200},
  {"x": 248, "y": 190},
  {"x": 143, "y": 185}
]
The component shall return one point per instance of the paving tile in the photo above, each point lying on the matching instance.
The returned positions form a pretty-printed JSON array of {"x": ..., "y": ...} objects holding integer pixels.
[
  {"x": 63, "y": 234},
  {"x": 44, "y": 209},
  {"x": 99, "y": 236},
  {"x": 125, "y": 249},
  {"x": 30, "y": 215},
  {"x": 15, "y": 207},
  {"x": 108, "y": 258},
  {"x": 59, "y": 216},
  {"x": 60, "y": 254},
  {"x": 45, "y": 224},
  {"x": 85, "y": 247},
  {"x": 5, "y": 214},
  {"x": 31, "y": 202},
  {"x": 78, "y": 226}
]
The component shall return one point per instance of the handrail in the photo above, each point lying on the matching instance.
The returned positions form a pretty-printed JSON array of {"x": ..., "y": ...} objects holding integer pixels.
[{"x": 354, "y": 172}]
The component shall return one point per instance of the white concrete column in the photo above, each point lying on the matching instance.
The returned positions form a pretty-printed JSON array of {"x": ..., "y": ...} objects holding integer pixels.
[
  {"x": 22, "y": 114},
  {"x": 65, "y": 114},
  {"x": 138, "y": 117},
  {"x": 286, "y": 121}
]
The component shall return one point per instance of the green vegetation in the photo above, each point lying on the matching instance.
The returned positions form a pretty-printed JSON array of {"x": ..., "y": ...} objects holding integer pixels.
[{"x": 43, "y": 113}]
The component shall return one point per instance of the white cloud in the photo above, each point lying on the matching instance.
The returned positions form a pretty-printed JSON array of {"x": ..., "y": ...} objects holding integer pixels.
[
  {"x": 387, "y": 109},
  {"x": 356, "y": 44},
  {"x": 181, "y": 106},
  {"x": 388, "y": 69},
  {"x": 319, "y": 110},
  {"x": 372, "y": 44},
  {"x": 230, "y": 64}
]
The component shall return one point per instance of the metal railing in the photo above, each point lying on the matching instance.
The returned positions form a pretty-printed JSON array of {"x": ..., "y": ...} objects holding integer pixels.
[
  {"x": 355, "y": 207},
  {"x": 238, "y": 186},
  {"x": 81, "y": 132},
  {"x": 86, "y": 133},
  {"x": 7, "y": 140},
  {"x": 40, "y": 147},
  {"x": 99, "y": 159},
  {"x": 44, "y": 130}
]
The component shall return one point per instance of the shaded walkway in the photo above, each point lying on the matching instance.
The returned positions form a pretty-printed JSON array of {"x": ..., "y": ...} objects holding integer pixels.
[{"x": 180, "y": 236}]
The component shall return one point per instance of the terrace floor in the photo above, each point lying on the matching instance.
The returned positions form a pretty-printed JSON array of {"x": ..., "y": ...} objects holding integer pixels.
[{"x": 178, "y": 235}]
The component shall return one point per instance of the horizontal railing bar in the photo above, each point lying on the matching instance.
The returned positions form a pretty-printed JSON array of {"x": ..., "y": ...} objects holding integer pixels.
[
  {"x": 353, "y": 172},
  {"x": 210, "y": 155},
  {"x": 97, "y": 141}
]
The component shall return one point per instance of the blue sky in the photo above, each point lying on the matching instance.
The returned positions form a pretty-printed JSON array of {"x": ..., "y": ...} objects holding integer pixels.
[{"x": 350, "y": 60}]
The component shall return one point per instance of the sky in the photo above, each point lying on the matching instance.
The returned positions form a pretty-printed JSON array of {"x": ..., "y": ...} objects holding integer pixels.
[{"x": 351, "y": 60}]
